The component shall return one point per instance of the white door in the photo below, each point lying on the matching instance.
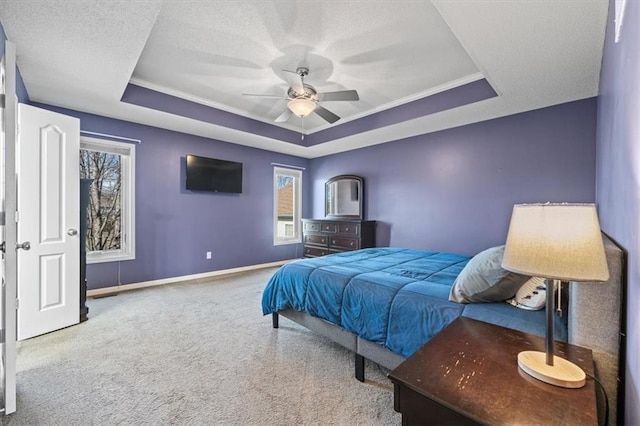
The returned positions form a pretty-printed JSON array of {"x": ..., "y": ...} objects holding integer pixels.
[{"x": 48, "y": 220}]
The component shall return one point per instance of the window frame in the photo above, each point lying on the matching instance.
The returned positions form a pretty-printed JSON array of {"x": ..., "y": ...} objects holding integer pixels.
[
  {"x": 296, "y": 174},
  {"x": 127, "y": 152}
]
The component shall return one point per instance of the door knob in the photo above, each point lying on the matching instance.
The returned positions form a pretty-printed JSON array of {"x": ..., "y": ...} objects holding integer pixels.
[
  {"x": 72, "y": 232},
  {"x": 24, "y": 246}
]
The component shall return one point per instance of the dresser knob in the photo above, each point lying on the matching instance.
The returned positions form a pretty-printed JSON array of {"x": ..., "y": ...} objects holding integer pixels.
[
  {"x": 351, "y": 243},
  {"x": 346, "y": 229},
  {"x": 333, "y": 242}
]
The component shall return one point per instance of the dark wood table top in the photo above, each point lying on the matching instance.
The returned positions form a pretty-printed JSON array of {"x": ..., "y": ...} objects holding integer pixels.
[{"x": 471, "y": 368}]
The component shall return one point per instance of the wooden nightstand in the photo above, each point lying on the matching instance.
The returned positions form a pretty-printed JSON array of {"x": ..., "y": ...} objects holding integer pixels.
[{"x": 468, "y": 374}]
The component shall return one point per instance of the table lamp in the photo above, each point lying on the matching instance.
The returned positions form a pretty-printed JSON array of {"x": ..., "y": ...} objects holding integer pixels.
[{"x": 558, "y": 242}]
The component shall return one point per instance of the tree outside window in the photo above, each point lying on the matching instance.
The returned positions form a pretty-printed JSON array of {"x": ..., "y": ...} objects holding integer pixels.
[
  {"x": 104, "y": 230},
  {"x": 109, "y": 165}
]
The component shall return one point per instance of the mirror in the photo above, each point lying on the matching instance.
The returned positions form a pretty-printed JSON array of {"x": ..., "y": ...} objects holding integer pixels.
[{"x": 344, "y": 197}]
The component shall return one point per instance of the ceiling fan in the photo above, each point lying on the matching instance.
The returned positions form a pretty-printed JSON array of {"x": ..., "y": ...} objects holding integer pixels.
[{"x": 305, "y": 99}]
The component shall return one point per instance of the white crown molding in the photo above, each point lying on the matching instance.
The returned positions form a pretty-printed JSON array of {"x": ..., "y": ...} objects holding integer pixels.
[
  {"x": 398, "y": 102},
  {"x": 416, "y": 96},
  {"x": 202, "y": 101}
]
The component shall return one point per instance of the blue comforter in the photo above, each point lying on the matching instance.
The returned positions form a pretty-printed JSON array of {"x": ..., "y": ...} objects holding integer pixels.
[{"x": 397, "y": 298}]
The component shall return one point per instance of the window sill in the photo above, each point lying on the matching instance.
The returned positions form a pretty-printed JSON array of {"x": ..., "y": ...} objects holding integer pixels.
[
  {"x": 287, "y": 242},
  {"x": 104, "y": 258}
]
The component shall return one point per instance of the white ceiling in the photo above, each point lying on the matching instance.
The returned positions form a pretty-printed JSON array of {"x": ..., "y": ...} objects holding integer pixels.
[{"x": 81, "y": 54}]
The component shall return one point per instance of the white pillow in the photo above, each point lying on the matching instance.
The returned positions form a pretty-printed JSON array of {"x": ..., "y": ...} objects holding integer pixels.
[{"x": 532, "y": 296}]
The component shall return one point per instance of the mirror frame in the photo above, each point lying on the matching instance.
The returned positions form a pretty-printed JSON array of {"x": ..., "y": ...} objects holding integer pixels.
[{"x": 334, "y": 179}]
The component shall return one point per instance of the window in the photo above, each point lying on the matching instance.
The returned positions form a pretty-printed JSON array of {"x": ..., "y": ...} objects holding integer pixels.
[
  {"x": 110, "y": 217},
  {"x": 287, "y": 202}
]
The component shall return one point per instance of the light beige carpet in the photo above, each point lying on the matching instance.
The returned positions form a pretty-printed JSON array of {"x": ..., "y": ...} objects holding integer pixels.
[{"x": 195, "y": 353}]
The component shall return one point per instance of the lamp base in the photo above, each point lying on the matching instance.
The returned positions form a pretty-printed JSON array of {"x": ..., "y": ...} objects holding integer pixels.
[{"x": 562, "y": 373}]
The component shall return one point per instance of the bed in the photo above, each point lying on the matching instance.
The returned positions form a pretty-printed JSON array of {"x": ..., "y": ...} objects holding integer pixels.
[{"x": 384, "y": 303}]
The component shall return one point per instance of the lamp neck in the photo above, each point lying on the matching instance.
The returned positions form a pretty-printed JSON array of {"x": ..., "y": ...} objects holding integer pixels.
[{"x": 550, "y": 284}]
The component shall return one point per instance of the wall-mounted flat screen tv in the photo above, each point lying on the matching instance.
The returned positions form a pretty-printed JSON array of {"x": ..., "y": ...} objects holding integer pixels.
[{"x": 210, "y": 174}]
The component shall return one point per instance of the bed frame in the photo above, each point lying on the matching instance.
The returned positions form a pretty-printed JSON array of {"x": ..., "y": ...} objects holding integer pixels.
[{"x": 596, "y": 315}]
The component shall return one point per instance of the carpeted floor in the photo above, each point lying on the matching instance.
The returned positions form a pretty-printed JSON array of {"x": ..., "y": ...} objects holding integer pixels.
[{"x": 195, "y": 353}]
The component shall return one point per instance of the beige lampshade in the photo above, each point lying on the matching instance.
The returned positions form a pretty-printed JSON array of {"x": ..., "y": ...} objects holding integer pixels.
[
  {"x": 301, "y": 106},
  {"x": 559, "y": 241}
]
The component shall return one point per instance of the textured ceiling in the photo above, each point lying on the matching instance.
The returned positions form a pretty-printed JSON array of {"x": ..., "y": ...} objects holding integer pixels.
[
  {"x": 82, "y": 54},
  {"x": 213, "y": 52}
]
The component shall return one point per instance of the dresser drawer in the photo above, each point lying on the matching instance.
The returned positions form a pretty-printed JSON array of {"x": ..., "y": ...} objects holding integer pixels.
[
  {"x": 315, "y": 251},
  {"x": 344, "y": 243},
  {"x": 320, "y": 240},
  {"x": 312, "y": 226},
  {"x": 329, "y": 227},
  {"x": 348, "y": 229}
]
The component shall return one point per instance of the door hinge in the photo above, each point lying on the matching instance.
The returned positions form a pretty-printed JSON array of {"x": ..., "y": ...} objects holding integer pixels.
[
  {"x": 3, "y": 101},
  {"x": 17, "y": 216},
  {"x": 17, "y": 304}
]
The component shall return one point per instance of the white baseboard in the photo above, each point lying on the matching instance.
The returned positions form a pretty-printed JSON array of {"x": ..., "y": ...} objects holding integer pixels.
[{"x": 105, "y": 291}]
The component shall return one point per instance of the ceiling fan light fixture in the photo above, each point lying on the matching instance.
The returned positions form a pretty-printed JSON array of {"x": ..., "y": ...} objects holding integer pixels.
[{"x": 301, "y": 106}]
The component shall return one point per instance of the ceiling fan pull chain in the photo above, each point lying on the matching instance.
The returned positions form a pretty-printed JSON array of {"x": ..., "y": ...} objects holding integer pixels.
[{"x": 302, "y": 133}]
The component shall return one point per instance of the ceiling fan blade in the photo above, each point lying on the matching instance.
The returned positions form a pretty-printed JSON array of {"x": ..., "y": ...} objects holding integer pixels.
[
  {"x": 326, "y": 114},
  {"x": 343, "y": 95},
  {"x": 284, "y": 116},
  {"x": 296, "y": 83},
  {"x": 265, "y": 96}
]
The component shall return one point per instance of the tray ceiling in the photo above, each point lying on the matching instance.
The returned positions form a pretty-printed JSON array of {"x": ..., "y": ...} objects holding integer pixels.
[{"x": 86, "y": 55}]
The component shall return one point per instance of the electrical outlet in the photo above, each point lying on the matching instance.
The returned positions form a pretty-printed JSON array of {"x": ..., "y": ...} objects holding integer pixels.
[{"x": 208, "y": 255}]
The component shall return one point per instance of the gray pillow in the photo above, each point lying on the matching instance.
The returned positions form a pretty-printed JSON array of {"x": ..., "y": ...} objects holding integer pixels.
[{"x": 484, "y": 280}]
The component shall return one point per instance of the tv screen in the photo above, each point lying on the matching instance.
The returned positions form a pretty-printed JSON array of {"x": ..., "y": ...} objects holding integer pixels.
[{"x": 210, "y": 174}]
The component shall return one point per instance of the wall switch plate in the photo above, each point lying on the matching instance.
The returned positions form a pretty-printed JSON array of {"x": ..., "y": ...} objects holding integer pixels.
[{"x": 208, "y": 255}]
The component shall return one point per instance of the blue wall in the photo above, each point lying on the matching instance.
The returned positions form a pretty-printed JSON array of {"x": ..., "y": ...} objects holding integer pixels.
[
  {"x": 618, "y": 171},
  {"x": 454, "y": 190},
  {"x": 174, "y": 227}
]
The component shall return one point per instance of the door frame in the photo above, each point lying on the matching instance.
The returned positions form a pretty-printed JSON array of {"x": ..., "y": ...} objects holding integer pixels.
[{"x": 10, "y": 257}]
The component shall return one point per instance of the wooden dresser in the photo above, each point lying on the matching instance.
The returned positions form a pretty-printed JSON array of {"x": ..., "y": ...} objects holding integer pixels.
[{"x": 326, "y": 236}]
